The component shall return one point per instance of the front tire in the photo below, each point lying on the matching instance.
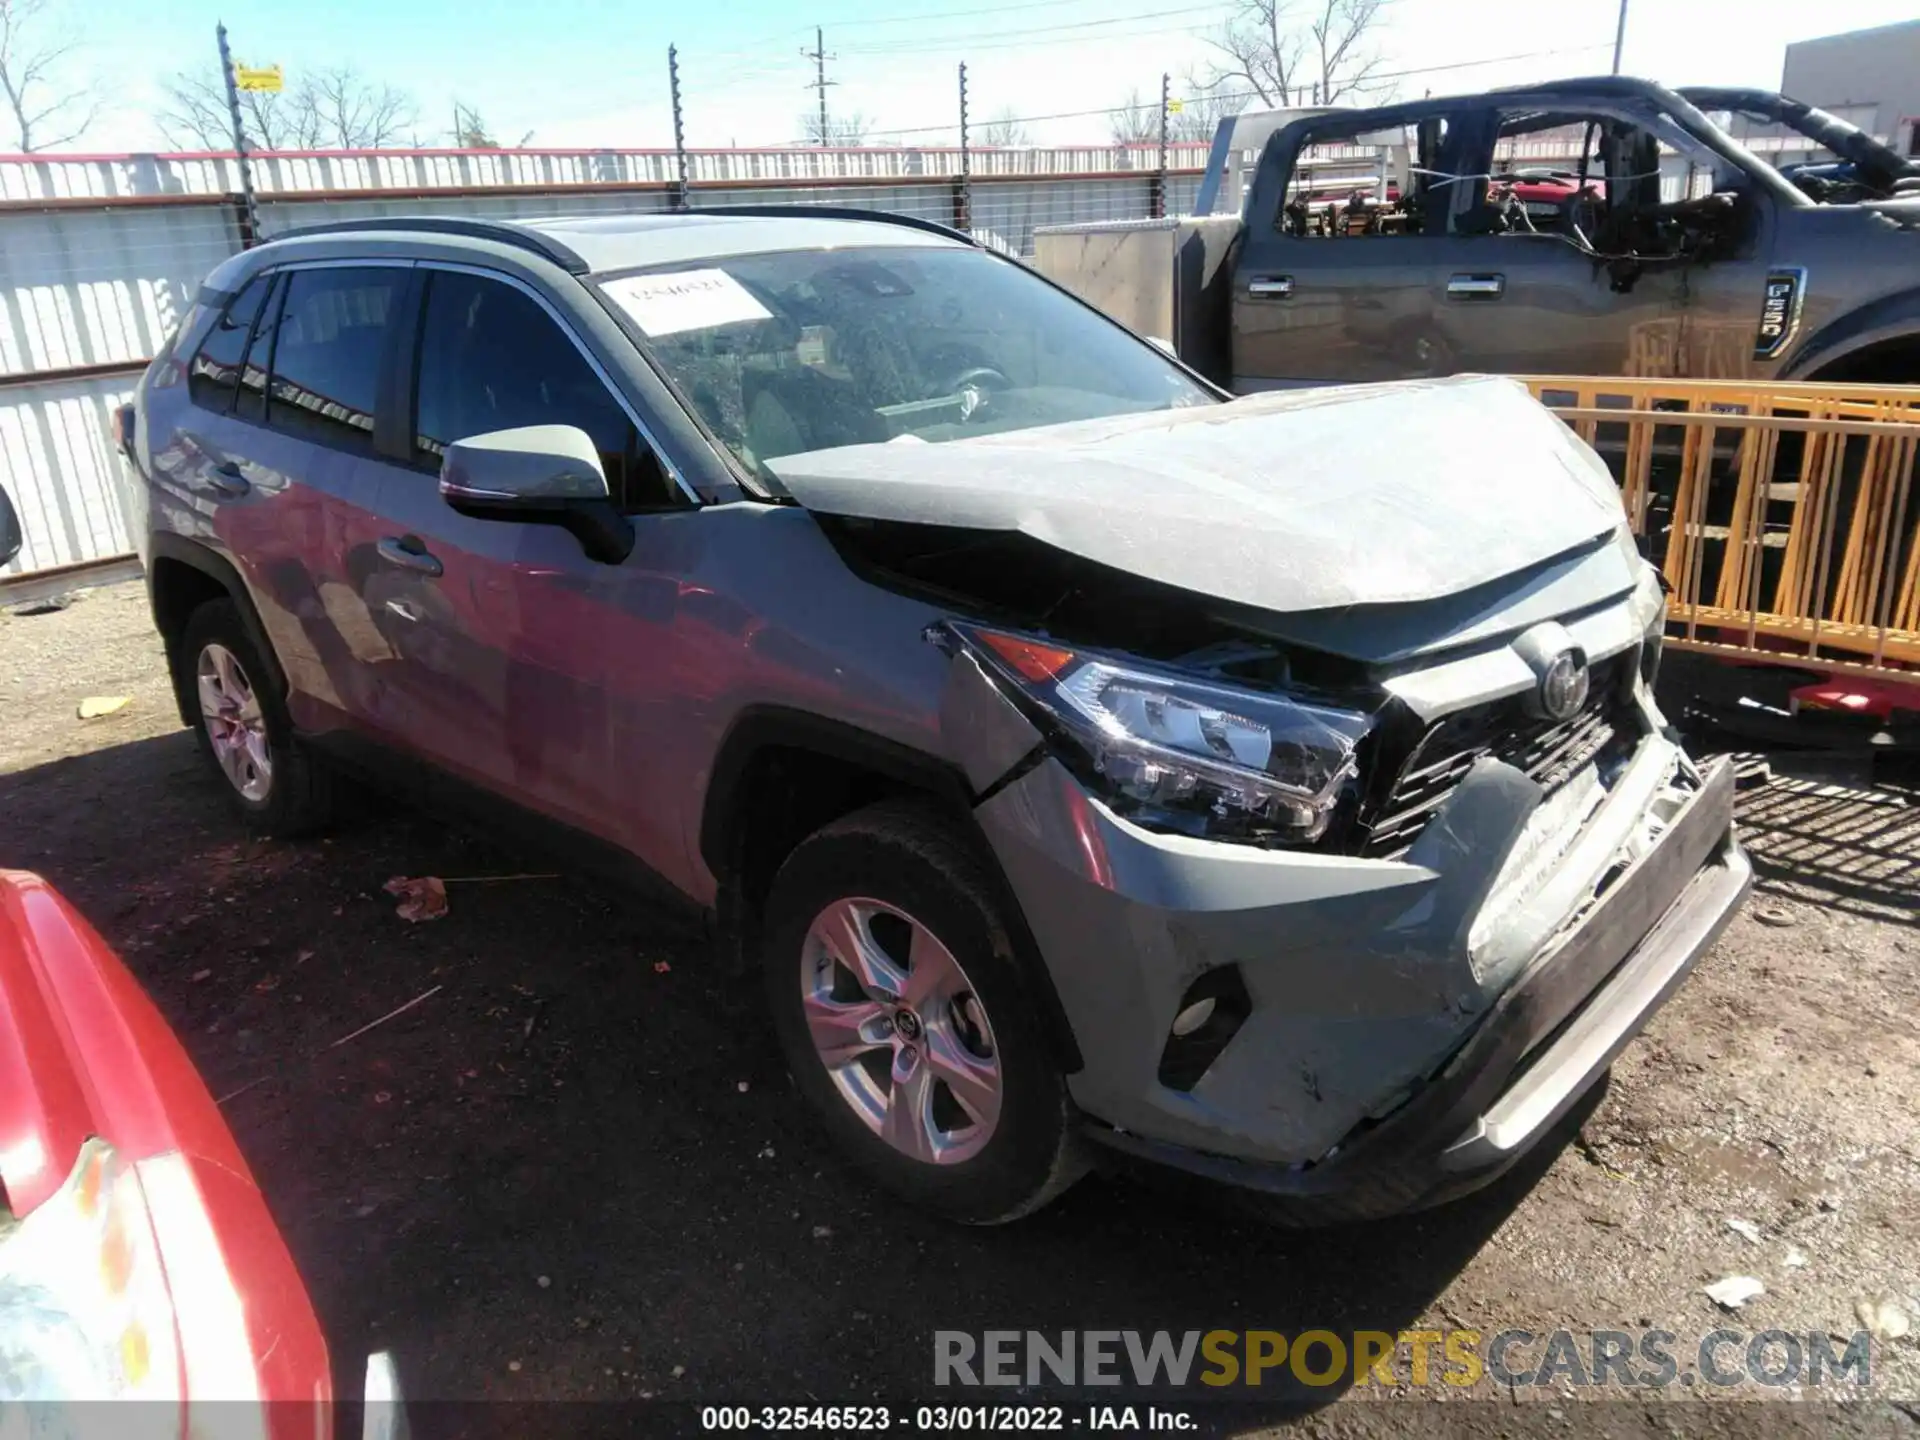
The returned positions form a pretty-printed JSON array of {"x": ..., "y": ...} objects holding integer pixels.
[
  {"x": 275, "y": 784},
  {"x": 897, "y": 1000}
]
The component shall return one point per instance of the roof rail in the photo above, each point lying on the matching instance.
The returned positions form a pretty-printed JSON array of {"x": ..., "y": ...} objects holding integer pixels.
[
  {"x": 834, "y": 212},
  {"x": 503, "y": 231}
]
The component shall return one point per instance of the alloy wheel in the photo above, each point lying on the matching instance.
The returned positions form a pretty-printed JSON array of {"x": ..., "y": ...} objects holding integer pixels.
[
  {"x": 900, "y": 1030},
  {"x": 236, "y": 727}
]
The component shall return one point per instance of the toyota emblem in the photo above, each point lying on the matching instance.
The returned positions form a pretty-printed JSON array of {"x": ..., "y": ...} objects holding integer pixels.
[{"x": 1563, "y": 688}]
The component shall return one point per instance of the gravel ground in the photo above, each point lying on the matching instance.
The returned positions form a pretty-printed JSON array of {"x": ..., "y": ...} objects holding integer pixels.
[{"x": 577, "y": 1170}]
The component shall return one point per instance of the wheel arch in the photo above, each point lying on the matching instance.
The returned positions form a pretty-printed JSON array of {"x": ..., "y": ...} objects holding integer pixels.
[
  {"x": 183, "y": 575},
  {"x": 1854, "y": 345},
  {"x": 781, "y": 774}
]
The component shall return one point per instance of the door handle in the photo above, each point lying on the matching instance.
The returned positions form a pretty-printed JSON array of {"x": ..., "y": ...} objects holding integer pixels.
[
  {"x": 227, "y": 479},
  {"x": 1477, "y": 287},
  {"x": 405, "y": 551},
  {"x": 1271, "y": 287}
]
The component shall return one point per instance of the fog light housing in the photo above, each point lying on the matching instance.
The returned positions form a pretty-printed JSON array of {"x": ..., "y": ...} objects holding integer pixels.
[{"x": 1210, "y": 1015}]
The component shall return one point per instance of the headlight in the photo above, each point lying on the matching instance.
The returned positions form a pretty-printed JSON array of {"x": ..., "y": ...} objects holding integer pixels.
[
  {"x": 84, "y": 1307},
  {"x": 1187, "y": 753}
]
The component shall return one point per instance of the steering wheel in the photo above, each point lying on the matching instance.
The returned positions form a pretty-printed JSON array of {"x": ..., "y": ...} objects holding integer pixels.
[{"x": 975, "y": 386}]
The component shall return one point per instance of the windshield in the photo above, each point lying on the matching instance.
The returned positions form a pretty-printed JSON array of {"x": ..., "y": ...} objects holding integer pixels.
[{"x": 809, "y": 349}]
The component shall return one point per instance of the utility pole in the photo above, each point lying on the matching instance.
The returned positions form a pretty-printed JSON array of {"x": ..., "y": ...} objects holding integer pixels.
[
  {"x": 679, "y": 135},
  {"x": 820, "y": 83},
  {"x": 963, "y": 198},
  {"x": 1619, "y": 36},
  {"x": 1160, "y": 174},
  {"x": 250, "y": 212}
]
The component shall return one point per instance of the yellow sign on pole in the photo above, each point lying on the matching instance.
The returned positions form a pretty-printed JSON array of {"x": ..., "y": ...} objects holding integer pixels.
[
  {"x": 257, "y": 77},
  {"x": 1174, "y": 107}
]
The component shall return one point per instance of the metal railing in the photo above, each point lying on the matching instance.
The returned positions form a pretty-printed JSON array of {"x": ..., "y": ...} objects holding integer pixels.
[{"x": 1786, "y": 518}]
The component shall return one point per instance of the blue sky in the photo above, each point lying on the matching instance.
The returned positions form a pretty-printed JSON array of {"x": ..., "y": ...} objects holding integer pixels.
[{"x": 585, "y": 72}]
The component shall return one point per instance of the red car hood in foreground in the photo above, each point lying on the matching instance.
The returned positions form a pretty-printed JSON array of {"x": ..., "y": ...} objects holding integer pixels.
[{"x": 110, "y": 1142}]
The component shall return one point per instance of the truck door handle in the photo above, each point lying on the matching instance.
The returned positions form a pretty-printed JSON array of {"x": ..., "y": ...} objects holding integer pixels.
[
  {"x": 406, "y": 552},
  {"x": 1271, "y": 287},
  {"x": 227, "y": 479},
  {"x": 1477, "y": 287}
]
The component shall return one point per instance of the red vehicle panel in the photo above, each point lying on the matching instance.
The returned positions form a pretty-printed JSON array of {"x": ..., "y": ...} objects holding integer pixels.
[{"x": 85, "y": 1057}]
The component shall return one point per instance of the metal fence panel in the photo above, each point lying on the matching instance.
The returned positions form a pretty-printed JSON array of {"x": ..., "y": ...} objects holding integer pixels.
[
  {"x": 92, "y": 287},
  {"x": 69, "y": 485},
  {"x": 1006, "y": 212}
]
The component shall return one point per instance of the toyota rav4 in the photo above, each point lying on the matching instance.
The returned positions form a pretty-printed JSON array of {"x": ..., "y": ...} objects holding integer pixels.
[{"x": 1269, "y": 787}]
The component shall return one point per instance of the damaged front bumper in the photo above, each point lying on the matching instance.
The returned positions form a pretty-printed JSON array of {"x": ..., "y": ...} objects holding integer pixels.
[{"x": 1411, "y": 1027}]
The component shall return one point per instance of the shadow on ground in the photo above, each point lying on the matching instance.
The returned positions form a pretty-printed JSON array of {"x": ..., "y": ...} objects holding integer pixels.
[
  {"x": 577, "y": 1170},
  {"x": 1857, "y": 850}
]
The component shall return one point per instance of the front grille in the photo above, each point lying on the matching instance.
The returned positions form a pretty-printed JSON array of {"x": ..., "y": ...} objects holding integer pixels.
[{"x": 1549, "y": 752}]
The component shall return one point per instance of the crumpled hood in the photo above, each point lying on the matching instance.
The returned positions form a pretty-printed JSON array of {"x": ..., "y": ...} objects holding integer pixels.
[{"x": 1298, "y": 500}]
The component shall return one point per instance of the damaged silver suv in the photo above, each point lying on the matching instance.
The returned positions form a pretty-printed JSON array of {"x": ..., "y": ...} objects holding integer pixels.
[{"x": 1267, "y": 787}]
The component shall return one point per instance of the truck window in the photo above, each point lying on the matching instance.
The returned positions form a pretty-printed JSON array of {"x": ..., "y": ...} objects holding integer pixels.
[
  {"x": 1603, "y": 184},
  {"x": 1348, "y": 183}
]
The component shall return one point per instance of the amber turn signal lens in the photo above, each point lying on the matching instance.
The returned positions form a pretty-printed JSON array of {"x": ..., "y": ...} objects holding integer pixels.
[{"x": 1028, "y": 659}]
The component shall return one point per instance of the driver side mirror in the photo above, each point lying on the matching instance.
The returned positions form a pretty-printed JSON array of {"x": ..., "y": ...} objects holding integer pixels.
[
  {"x": 538, "y": 475},
  {"x": 10, "y": 536}
]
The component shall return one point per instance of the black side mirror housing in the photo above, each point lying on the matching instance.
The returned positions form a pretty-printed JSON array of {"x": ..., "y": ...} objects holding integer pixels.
[{"x": 538, "y": 475}]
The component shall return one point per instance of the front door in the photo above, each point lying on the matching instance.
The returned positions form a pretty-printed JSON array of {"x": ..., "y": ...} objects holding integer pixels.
[{"x": 519, "y": 654}]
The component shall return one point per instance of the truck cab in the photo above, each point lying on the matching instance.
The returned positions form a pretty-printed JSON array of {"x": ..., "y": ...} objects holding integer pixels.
[{"x": 1595, "y": 227}]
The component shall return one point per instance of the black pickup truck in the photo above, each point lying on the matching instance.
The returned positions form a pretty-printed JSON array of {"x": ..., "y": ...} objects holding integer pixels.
[{"x": 1601, "y": 227}]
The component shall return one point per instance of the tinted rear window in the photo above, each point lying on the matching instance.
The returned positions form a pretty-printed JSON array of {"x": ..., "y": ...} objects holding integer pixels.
[{"x": 326, "y": 359}]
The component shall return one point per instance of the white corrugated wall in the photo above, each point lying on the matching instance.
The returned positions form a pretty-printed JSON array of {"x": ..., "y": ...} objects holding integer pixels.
[{"x": 68, "y": 483}]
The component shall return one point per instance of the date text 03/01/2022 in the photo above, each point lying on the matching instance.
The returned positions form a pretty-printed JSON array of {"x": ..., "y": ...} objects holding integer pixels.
[{"x": 944, "y": 1418}]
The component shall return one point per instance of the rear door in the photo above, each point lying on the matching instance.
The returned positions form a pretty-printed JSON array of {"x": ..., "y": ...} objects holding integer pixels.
[
  {"x": 525, "y": 666},
  {"x": 307, "y": 401},
  {"x": 1338, "y": 267},
  {"x": 282, "y": 393}
]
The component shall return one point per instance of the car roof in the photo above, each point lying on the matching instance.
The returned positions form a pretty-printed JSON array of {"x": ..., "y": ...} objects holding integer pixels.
[
  {"x": 599, "y": 244},
  {"x": 625, "y": 242}
]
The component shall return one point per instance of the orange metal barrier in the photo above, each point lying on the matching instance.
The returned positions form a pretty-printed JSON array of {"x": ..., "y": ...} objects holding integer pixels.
[{"x": 1785, "y": 517}]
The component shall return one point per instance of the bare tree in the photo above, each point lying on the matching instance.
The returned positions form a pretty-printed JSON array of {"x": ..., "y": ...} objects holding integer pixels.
[
  {"x": 195, "y": 115},
  {"x": 848, "y": 129},
  {"x": 1313, "y": 55},
  {"x": 1135, "y": 121},
  {"x": 1005, "y": 128},
  {"x": 1342, "y": 59},
  {"x": 470, "y": 129},
  {"x": 350, "y": 113},
  {"x": 45, "y": 111},
  {"x": 330, "y": 109}
]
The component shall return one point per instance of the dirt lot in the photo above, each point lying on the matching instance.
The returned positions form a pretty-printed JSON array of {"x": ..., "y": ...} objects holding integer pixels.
[{"x": 577, "y": 1169}]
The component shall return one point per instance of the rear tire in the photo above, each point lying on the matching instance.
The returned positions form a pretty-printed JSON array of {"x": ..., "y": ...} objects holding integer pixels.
[
  {"x": 945, "y": 1090},
  {"x": 277, "y": 786}
]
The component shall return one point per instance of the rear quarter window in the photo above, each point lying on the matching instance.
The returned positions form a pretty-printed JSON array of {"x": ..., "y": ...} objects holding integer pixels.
[{"x": 215, "y": 370}]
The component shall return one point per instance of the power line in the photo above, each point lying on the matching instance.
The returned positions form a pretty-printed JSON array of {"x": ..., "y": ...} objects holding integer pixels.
[
  {"x": 992, "y": 36},
  {"x": 1230, "y": 95}
]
